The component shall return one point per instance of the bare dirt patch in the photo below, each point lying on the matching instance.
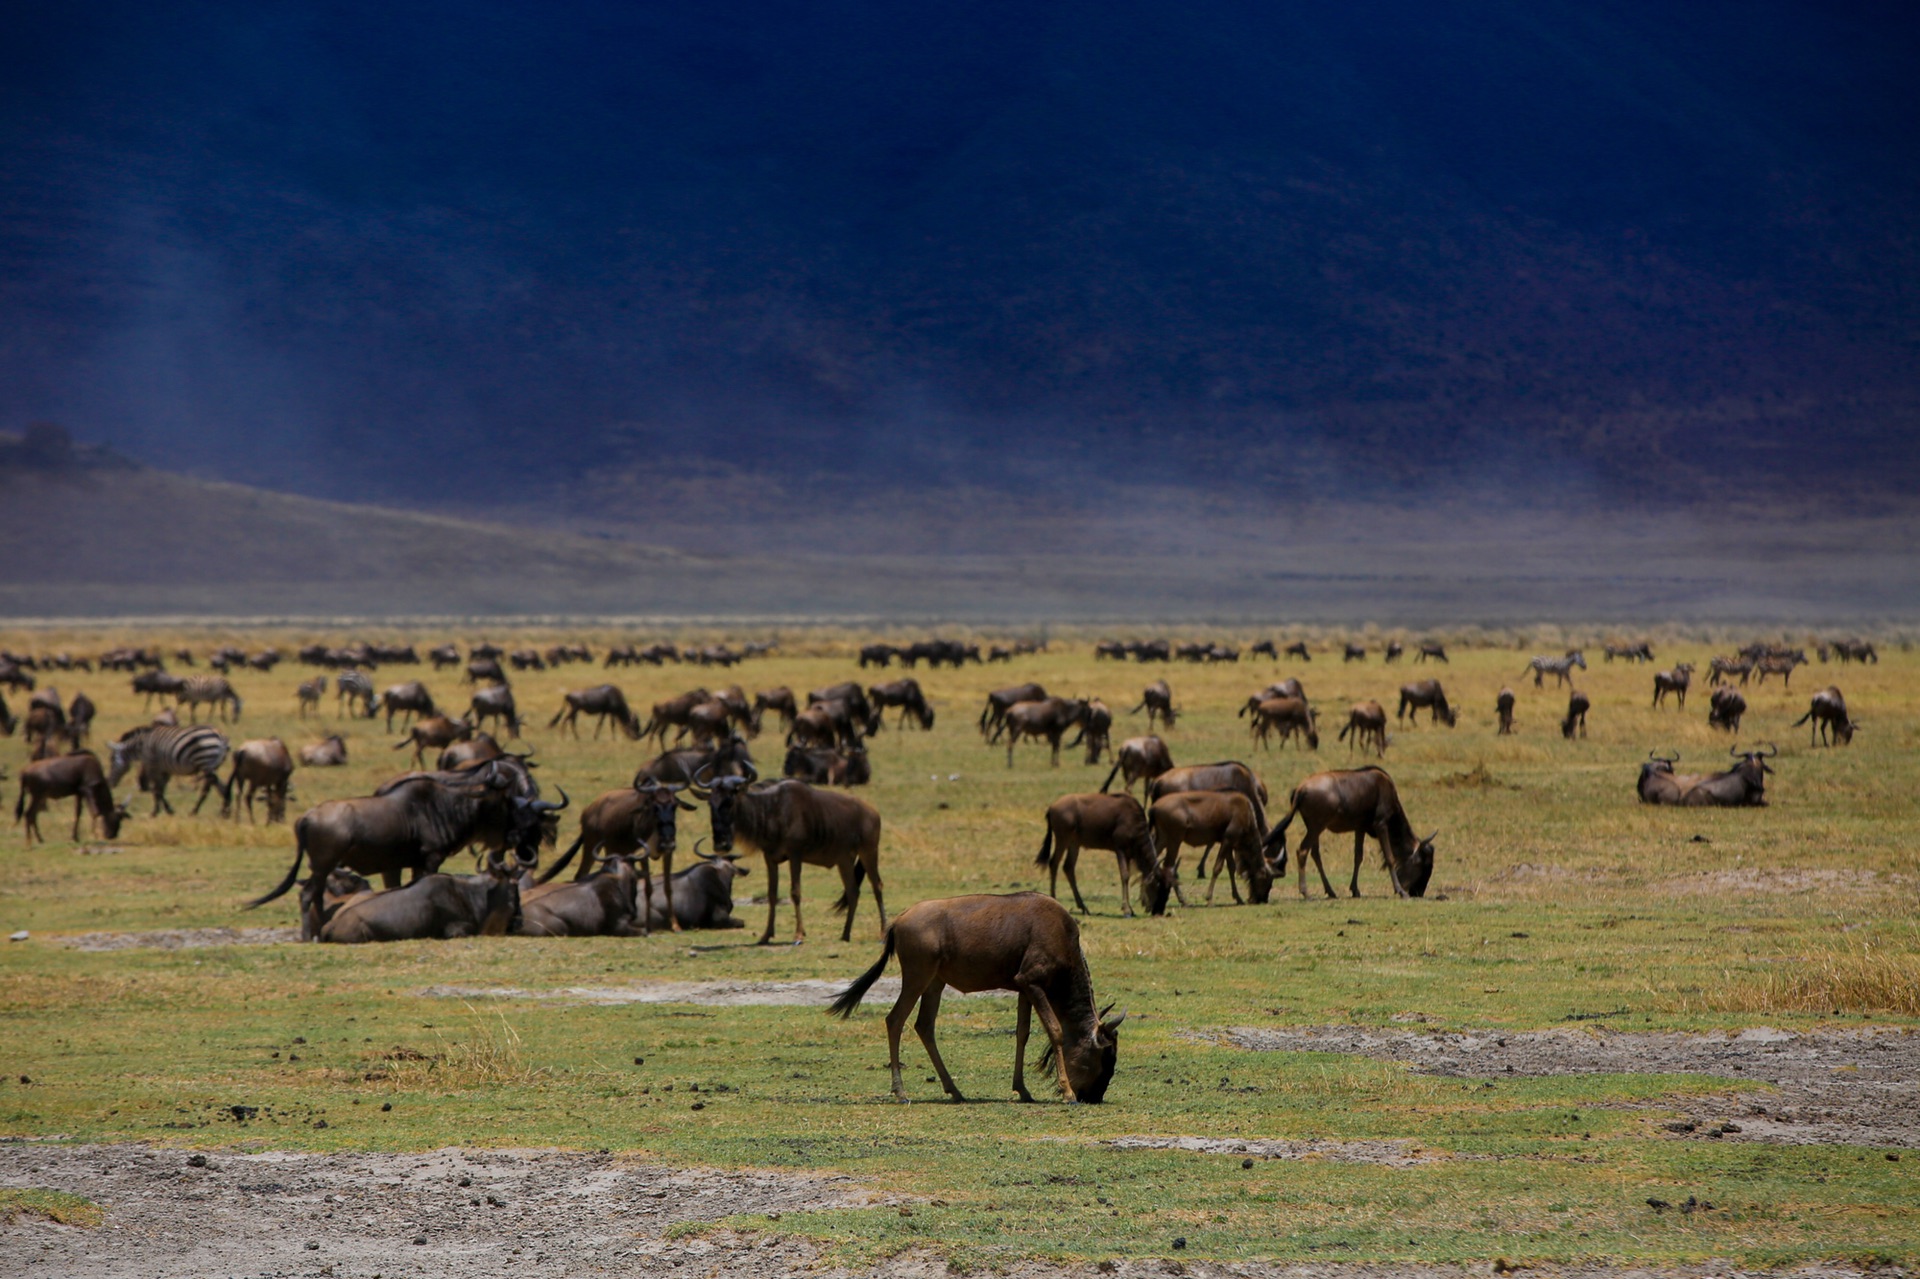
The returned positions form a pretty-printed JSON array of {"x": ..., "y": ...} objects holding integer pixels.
[
  {"x": 1774, "y": 881},
  {"x": 181, "y": 939},
  {"x": 1394, "y": 1154},
  {"x": 1833, "y": 1087},
  {"x": 717, "y": 994}
]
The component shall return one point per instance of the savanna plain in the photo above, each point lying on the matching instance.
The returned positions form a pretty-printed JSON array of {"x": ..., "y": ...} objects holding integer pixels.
[{"x": 1610, "y": 1036}]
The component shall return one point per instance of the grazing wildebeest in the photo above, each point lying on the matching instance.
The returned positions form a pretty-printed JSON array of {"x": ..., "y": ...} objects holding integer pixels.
[
  {"x": 46, "y": 719},
  {"x": 410, "y": 699},
  {"x": 411, "y": 824},
  {"x": 1395, "y": 650},
  {"x": 605, "y": 702},
  {"x": 1365, "y": 802},
  {"x": 331, "y": 753},
  {"x": 906, "y": 695},
  {"x": 674, "y": 713},
  {"x": 495, "y": 703},
  {"x": 780, "y": 701},
  {"x": 791, "y": 822},
  {"x": 1641, "y": 652},
  {"x": 1157, "y": 701},
  {"x": 1049, "y": 719},
  {"x": 526, "y": 659},
  {"x": 1675, "y": 681},
  {"x": 1207, "y": 818},
  {"x": 877, "y": 655},
  {"x": 432, "y": 906},
  {"x": 1428, "y": 649},
  {"x": 484, "y": 668},
  {"x": 444, "y": 656},
  {"x": 1096, "y": 730},
  {"x": 1742, "y": 786},
  {"x": 1116, "y": 823},
  {"x": 164, "y": 752},
  {"x": 1227, "y": 775},
  {"x": 1299, "y": 649},
  {"x": 1023, "y": 942},
  {"x": 310, "y": 692},
  {"x": 77, "y": 776},
  {"x": 1264, "y": 648},
  {"x": 1503, "y": 707},
  {"x": 159, "y": 684},
  {"x": 438, "y": 732},
  {"x": 80, "y": 715},
  {"x": 1366, "y": 727},
  {"x": 1425, "y": 693},
  {"x": 1561, "y": 668},
  {"x": 263, "y": 764},
  {"x": 1351, "y": 652},
  {"x": 1110, "y": 650},
  {"x": 1577, "y": 708},
  {"x": 1138, "y": 759},
  {"x": 1856, "y": 650},
  {"x": 1287, "y": 716},
  {"x": 828, "y": 766},
  {"x": 1725, "y": 706},
  {"x": 1831, "y": 722},
  {"x": 998, "y": 703}
]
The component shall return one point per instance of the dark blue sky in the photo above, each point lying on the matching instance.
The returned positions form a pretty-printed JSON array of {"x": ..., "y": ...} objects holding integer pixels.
[{"x": 431, "y": 249}]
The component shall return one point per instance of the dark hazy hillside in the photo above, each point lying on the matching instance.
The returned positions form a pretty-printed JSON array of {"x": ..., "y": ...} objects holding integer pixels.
[{"x": 463, "y": 254}]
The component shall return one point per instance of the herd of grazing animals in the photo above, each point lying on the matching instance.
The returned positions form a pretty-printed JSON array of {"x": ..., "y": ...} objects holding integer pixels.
[{"x": 482, "y": 795}]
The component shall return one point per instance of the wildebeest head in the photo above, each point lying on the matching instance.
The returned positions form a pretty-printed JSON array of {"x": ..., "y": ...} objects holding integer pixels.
[
  {"x": 663, "y": 806},
  {"x": 1091, "y": 1062},
  {"x": 1416, "y": 868},
  {"x": 722, "y": 795},
  {"x": 535, "y": 821}
]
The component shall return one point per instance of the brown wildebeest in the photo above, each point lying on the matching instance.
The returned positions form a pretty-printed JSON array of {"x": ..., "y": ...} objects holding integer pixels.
[
  {"x": 438, "y": 732},
  {"x": 1365, "y": 802},
  {"x": 331, "y": 753},
  {"x": 495, "y": 703},
  {"x": 477, "y": 749},
  {"x": 1049, "y": 719},
  {"x": 1000, "y": 701},
  {"x": 1428, "y": 649},
  {"x": 77, "y": 776},
  {"x": 1207, "y": 818},
  {"x": 526, "y": 659},
  {"x": 1116, "y": 823},
  {"x": 641, "y": 821},
  {"x": 1395, "y": 650},
  {"x": 1299, "y": 649},
  {"x": 791, "y": 822},
  {"x": 1366, "y": 727},
  {"x": 263, "y": 764},
  {"x": 1675, "y": 682},
  {"x": 815, "y": 728},
  {"x": 1725, "y": 706},
  {"x": 877, "y": 655},
  {"x": 7, "y": 720},
  {"x": 310, "y": 692},
  {"x": 80, "y": 713},
  {"x": 906, "y": 695},
  {"x": 1351, "y": 652},
  {"x": 1503, "y": 707},
  {"x": 1577, "y": 708},
  {"x": 1023, "y": 942},
  {"x": 780, "y": 702},
  {"x": 1640, "y": 652},
  {"x": 1831, "y": 722},
  {"x": 1289, "y": 687},
  {"x": 1424, "y": 694},
  {"x": 1742, "y": 786},
  {"x": 828, "y": 766},
  {"x": 1157, "y": 701},
  {"x": 437, "y": 906},
  {"x": 854, "y": 698},
  {"x": 410, "y": 699},
  {"x": 1096, "y": 730},
  {"x": 1138, "y": 759},
  {"x": 707, "y": 723},
  {"x": 1225, "y": 775},
  {"x": 673, "y": 713},
  {"x": 604, "y": 904},
  {"x": 1287, "y": 716},
  {"x": 730, "y": 758}
]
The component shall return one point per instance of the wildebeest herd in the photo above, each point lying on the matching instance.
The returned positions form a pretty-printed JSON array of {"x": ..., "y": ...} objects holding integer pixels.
[{"x": 482, "y": 795}]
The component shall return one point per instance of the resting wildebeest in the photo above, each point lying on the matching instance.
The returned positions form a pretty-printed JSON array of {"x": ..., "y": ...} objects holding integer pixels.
[
  {"x": 1424, "y": 693},
  {"x": 1000, "y": 701},
  {"x": 1365, "y": 802},
  {"x": 1367, "y": 727},
  {"x": 77, "y": 776},
  {"x": 1725, "y": 706},
  {"x": 263, "y": 764},
  {"x": 1116, "y": 823},
  {"x": 438, "y": 732},
  {"x": 1022, "y": 942},
  {"x": 1503, "y": 707},
  {"x": 905, "y": 694},
  {"x": 702, "y": 895},
  {"x": 1207, "y": 818},
  {"x": 413, "y": 823},
  {"x": 1287, "y": 716},
  {"x": 1138, "y": 759},
  {"x": 1831, "y": 722},
  {"x": 495, "y": 703},
  {"x": 603, "y": 904},
  {"x": 331, "y": 753},
  {"x": 828, "y": 766},
  {"x": 791, "y": 822},
  {"x": 410, "y": 700},
  {"x": 1157, "y": 702},
  {"x": 1577, "y": 708},
  {"x": 604, "y": 701},
  {"x": 1049, "y": 719},
  {"x": 1674, "y": 681},
  {"x": 1742, "y": 786},
  {"x": 1561, "y": 668},
  {"x": 432, "y": 906}
]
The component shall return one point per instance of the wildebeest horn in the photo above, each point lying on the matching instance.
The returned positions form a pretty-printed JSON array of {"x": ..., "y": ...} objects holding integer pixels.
[
  {"x": 1429, "y": 839},
  {"x": 527, "y": 860},
  {"x": 1108, "y": 1009},
  {"x": 705, "y": 857},
  {"x": 1114, "y": 1024},
  {"x": 548, "y": 806},
  {"x": 1771, "y": 750},
  {"x": 752, "y": 773}
]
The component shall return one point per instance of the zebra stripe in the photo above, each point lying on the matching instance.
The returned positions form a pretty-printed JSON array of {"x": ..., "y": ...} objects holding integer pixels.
[
  {"x": 353, "y": 685},
  {"x": 196, "y": 750},
  {"x": 214, "y": 689}
]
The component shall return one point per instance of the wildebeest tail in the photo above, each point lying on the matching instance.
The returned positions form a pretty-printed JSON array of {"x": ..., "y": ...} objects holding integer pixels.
[
  {"x": 1110, "y": 776},
  {"x": 851, "y": 895},
  {"x": 1046, "y": 848},
  {"x": 293, "y": 871},
  {"x": 849, "y": 999},
  {"x": 565, "y": 857}
]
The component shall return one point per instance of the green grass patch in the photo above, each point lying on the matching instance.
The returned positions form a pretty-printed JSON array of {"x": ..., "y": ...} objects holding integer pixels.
[{"x": 53, "y": 1205}]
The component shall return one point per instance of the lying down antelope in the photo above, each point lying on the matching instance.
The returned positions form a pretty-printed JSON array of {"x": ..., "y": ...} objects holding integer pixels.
[{"x": 1023, "y": 942}]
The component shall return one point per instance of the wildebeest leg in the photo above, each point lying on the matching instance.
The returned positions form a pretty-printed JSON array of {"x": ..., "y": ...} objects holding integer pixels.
[
  {"x": 1200, "y": 871},
  {"x": 310, "y": 895},
  {"x": 1070, "y": 860},
  {"x": 849, "y": 892},
  {"x": 912, "y": 986},
  {"x": 1054, "y": 739},
  {"x": 1021, "y": 1028},
  {"x": 646, "y": 889},
  {"x": 773, "y": 905},
  {"x": 793, "y": 878},
  {"x": 1171, "y": 860},
  {"x": 1214, "y": 881},
  {"x": 1360, "y": 852},
  {"x": 923, "y": 1026},
  {"x": 871, "y": 856},
  {"x": 1051, "y": 1021},
  {"x": 1310, "y": 843},
  {"x": 391, "y": 878},
  {"x": 79, "y": 806}
]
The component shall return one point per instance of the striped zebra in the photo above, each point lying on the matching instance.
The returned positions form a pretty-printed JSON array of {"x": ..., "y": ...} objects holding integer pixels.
[
  {"x": 163, "y": 753},
  {"x": 353, "y": 685},
  {"x": 212, "y": 689},
  {"x": 310, "y": 692},
  {"x": 1560, "y": 667}
]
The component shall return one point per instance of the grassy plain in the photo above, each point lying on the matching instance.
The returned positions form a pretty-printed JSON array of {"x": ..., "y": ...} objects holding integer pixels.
[{"x": 1559, "y": 901}]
